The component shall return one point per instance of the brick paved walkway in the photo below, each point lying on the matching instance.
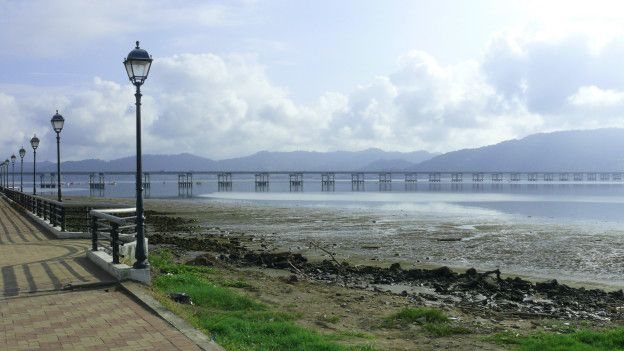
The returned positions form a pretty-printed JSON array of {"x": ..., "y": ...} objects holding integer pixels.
[{"x": 36, "y": 314}]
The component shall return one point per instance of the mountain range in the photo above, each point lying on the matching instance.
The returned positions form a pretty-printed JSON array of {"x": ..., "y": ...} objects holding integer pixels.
[
  {"x": 582, "y": 150},
  {"x": 368, "y": 159}
]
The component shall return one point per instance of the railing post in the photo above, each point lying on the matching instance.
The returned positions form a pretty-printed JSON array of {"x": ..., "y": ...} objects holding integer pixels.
[
  {"x": 115, "y": 242},
  {"x": 62, "y": 217},
  {"x": 52, "y": 215},
  {"x": 94, "y": 234}
]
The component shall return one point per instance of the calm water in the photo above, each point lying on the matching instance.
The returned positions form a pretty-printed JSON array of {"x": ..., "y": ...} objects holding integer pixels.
[
  {"x": 566, "y": 201},
  {"x": 572, "y": 231}
]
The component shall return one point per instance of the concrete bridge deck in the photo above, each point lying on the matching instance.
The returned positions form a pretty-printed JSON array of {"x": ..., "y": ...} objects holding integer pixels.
[{"x": 38, "y": 312}]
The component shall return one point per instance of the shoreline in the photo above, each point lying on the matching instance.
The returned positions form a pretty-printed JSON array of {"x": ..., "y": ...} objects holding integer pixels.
[
  {"x": 183, "y": 208},
  {"x": 356, "y": 299}
]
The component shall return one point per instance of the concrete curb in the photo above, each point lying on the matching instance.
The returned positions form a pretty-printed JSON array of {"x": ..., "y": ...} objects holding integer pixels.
[
  {"x": 120, "y": 271},
  {"x": 139, "y": 293}
]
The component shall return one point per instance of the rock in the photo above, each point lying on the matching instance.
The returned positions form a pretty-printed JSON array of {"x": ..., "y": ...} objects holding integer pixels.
[
  {"x": 181, "y": 297},
  {"x": 395, "y": 267}
]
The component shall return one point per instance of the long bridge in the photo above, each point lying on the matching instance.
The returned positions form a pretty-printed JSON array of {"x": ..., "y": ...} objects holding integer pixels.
[{"x": 224, "y": 179}]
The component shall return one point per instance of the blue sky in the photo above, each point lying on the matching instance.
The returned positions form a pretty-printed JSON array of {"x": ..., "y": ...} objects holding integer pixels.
[{"x": 231, "y": 78}]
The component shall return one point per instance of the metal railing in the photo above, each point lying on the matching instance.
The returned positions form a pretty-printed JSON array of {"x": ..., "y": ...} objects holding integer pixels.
[
  {"x": 117, "y": 226},
  {"x": 69, "y": 216},
  {"x": 50, "y": 210}
]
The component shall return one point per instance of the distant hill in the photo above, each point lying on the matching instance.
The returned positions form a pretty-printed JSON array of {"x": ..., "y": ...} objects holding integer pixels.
[
  {"x": 370, "y": 159},
  {"x": 583, "y": 150},
  {"x": 320, "y": 161}
]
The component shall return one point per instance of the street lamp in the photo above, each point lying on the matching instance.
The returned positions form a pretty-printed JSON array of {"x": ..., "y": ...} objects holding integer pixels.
[
  {"x": 6, "y": 172},
  {"x": 13, "y": 171},
  {"x": 2, "y": 171},
  {"x": 138, "y": 65},
  {"x": 57, "y": 124},
  {"x": 22, "y": 153},
  {"x": 34, "y": 142}
]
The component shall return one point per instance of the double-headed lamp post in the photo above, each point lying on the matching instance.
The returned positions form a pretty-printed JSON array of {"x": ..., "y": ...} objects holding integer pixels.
[
  {"x": 138, "y": 65},
  {"x": 13, "y": 171},
  {"x": 57, "y": 124},
  {"x": 22, "y": 153},
  {"x": 34, "y": 142}
]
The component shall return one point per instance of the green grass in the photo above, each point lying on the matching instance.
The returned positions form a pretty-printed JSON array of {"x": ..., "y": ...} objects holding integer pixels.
[
  {"x": 237, "y": 322},
  {"x": 585, "y": 340},
  {"x": 432, "y": 320},
  {"x": 419, "y": 315},
  {"x": 445, "y": 329}
]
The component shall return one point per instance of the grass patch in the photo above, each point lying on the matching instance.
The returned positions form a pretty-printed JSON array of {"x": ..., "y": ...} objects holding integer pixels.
[
  {"x": 445, "y": 329},
  {"x": 419, "y": 315},
  {"x": 586, "y": 340},
  {"x": 432, "y": 320},
  {"x": 237, "y": 322}
]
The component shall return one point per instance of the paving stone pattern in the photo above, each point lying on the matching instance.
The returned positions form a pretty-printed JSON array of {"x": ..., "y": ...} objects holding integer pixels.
[{"x": 37, "y": 314}]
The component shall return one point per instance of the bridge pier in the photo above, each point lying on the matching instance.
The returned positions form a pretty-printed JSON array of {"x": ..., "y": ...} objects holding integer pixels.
[
  {"x": 514, "y": 177},
  {"x": 457, "y": 177},
  {"x": 578, "y": 177},
  {"x": 185, "y": 184},
  {"x": 147, "y": 183},
  {"x": 591, "y": 177},
  {"x": 261, "y": 181},
  {"x": 44, "y": 183},
  {"x": 497, "y": 177},
  {"x": 385, "y": 181},
  {"x": 296, "y": 181},
  {"x": 435, "y": 177},
  {"x": 477, "y": 177},
  {"x": 616, "y": 177},
  {"x": 96, "y": 183},
  {"x": 604, "y": 177},
  {"x": 564, "y": 177},
  {"x": 224, "y": 181},
  {"x": 548, "y": 177},
  {"x": 532, "y": 177},
  {"x": 328, "y": 181},
  {"x": 411, "y": 177},
  {"x": 357, "y": 181}
]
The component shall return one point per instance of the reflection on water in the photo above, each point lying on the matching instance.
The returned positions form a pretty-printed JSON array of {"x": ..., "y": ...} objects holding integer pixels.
[{"x": 569, "y": 230}]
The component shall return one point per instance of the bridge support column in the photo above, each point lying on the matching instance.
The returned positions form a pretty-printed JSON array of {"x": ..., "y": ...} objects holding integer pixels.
[
  {"x": 296, "y": 181},
  {"x": 262, "y": 182},
  {"x": 328, "y": 181},
  {"x": 357, "y": 181},
  {"x": 224, "y": 181}
]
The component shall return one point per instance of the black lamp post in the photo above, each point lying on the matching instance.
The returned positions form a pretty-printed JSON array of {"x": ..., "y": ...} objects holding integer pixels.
[
  {"x": 6, "y": 172},
  {"x": 2, "y": 170},
  {"x": 57, "y": 124},
  {"x": 13, "y": 171},
  {"x": 34, "y": 142},
  {"x": 22, "y": 153},
  {"x": 137, "y": 65}
]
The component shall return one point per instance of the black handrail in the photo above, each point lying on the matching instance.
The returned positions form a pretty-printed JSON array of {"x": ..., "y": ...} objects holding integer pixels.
[{"x": 117, "y": 225}]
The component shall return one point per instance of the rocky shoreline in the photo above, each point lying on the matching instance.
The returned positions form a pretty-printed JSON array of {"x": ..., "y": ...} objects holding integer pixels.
[{"x": 482, "y": 293}]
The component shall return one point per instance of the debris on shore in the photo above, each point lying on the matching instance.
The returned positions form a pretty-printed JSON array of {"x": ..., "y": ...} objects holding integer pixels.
[{"x": 478, "y": 292}]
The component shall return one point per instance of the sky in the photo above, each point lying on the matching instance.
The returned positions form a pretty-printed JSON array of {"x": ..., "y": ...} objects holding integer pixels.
[{"x": 231, "y": 78}]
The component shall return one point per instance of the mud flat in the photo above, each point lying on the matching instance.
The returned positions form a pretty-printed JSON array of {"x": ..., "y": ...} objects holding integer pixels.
[{"x": 351, "y": 290}]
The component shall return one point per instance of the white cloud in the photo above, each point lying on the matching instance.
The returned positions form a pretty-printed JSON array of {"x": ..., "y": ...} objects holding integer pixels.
[{"x": 224, "y": 106}]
